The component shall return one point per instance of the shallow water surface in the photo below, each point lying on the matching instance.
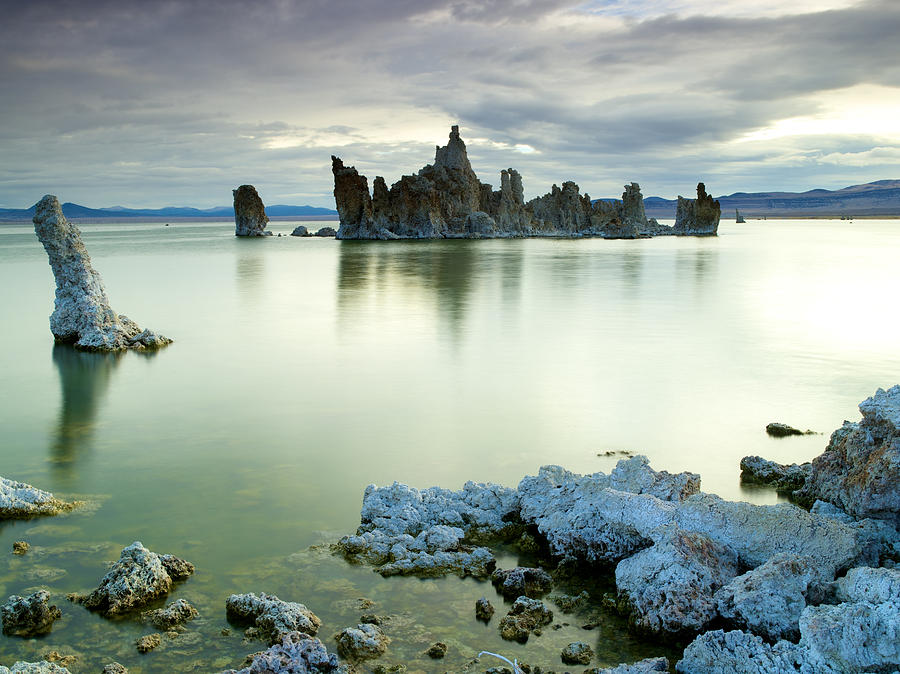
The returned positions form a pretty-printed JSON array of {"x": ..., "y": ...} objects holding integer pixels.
[{"x": 305, "y": 369}]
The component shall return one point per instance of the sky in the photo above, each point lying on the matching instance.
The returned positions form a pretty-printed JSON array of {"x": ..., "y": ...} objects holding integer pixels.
[{"x": 156, "y": 103}]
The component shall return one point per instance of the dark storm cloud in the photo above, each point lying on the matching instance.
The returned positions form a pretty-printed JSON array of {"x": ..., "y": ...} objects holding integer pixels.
[{"x": 175, "y": 101}]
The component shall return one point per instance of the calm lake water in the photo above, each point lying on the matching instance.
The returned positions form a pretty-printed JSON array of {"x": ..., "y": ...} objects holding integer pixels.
[{"x": 305, "y": 369}]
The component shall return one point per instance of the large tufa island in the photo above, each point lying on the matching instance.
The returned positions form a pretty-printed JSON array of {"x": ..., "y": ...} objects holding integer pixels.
[
  {"x": 446, "y": 200},
  {"x": 82, "y": 315}
]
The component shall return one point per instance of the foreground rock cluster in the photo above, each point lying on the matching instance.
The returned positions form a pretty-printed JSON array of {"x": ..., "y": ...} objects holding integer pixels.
[
  {"x": 446, "y": 199},
  {"x": 82, "y": 315},
  {"x": 800, "y": 590}
]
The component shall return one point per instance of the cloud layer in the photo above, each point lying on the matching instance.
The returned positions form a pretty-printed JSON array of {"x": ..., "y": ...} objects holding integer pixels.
[{"x": 175, "y": 102}]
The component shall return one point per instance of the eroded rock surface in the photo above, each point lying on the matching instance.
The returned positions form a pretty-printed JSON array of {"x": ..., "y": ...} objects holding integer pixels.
[
  {"x": 297, "y": 653},
  {"x": 273, "y": 617},
  {"x": 82, "y": 315},
  {"x": 521, "y": 580},
  {"x": 137, "y": 578},
  {"x": 177, "y": 613},
  {"x": 363, "y": 642},
  {"x": 697, "y": 217},
  {"x": 29, "y": 616},
  {"x": 484, "y": 611},
  {"x": 577, "y": 653},
  {"x": 250, "y": 217},
  {"x": 860, "y": 468},
  {"x": 20, "y": 500},
  {"x": 524, "y": 617},
  {"x": 784, "y": 478},
  {"x": 647, "y": 666}
]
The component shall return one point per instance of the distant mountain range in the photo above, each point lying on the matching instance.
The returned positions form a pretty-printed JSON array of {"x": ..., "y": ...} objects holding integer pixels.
[
  {"x": 881, "y": 197},
  {"x": 76, "y": 212}
]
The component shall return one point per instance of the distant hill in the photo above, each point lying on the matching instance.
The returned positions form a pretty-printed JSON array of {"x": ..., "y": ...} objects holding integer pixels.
[
  {"x": 76, "y": 212},
  {"x": 881, "y": 197}
]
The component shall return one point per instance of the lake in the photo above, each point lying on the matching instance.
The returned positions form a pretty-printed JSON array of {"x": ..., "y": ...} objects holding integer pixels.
[{"x": 304, "y": 369}]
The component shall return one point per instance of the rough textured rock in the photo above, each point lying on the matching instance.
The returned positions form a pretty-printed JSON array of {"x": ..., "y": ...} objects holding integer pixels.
[
  {"x": 42, "y": 667},
  {"x": 19, "y": 500},
  {"x": 782, "y": 477},
  {"x": 177, "y": 613},
  {"x": 522, "y": 580},
  {"x": 29, "y": 616},
  {"x": 769, "y": 599},
  {"x": 82, "y": 315},
  {"x": 779, "y": 430},
  {"x": 273, "y": 617},
  {"x": 411, "y": 532},
  {"x": 114, "y": 668},
  {"x": 297, "y": 653},
  {"x": 562, "y": 210},
  {"x": 325, "y": 232},
  {"x": 483, "y": 609},
  {"x": 697, "y": 217},
  {"x": 643, "y": 667},
  {"x": 874, "y": 585},
  {"x": 670, "y": 586},
  {"x": 860, "y": 468},
  {"x": 250, "y": 217},
  {"x": 138, "y": 577},
  {"x": 148, "y": 642},
  {"x": 363, "y": 642},
  {"x": 568, "y": 603},
  {"x": 737, "y": 652},
  {"x": 437, "y": 650},
  {"x": 577, "y": 653},
  {"x": 524, "y": 617},
  {"x": 300, "y": 230},
  {"x": 853, "y": 637},
  {"x": 20, "y": 547}
]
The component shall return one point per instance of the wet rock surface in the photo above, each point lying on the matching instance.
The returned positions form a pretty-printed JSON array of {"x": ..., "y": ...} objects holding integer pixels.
[
  {"x": 177, "y": 613},
  {"x": 530, "y": 582},
  {"x": 273, "y": 617},
  {"x": 42, "y": 667},
  {"x": 524, "y": 617},
  {"x": 577, "y": 653},
  {"x": 137, "y": 578},
  {"x": 437, "y": 650},
  {"x": 363, "y": 642},
  {"x": 19, "y": 500},
  {"x": 114, "y": 668},
  {"x": 250, "y": 217},
  {"x": 484, "y": 611},
  {"x": 297, "y": 653},
  {"x": 20, "y": 547},
  {"x": 148, "y": 642},
  {"x": 300, "y": 230},
  {"x": 82, "y": 315},
  {"x": 779, "y": 430},
  {"x": 29, "y": 616},
  {"x": 646, "y": 666},
  {"x": 784, "y": 478}
]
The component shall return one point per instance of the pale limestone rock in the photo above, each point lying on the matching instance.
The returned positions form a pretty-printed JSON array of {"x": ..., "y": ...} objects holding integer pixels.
[
  {"x": 20, "y": 500},
  {"x": 853, "y": 637},
  {"x": 82, "y": 315},
  {"x": 562, "y": 211},
  {"x": 297, "y": 653},
  {"x": 250, "y": 217},
  {"x": 875, "y": 585},
  {"x": 177, "y": 613},
  {"x": 697, "y": 217},
  {"x": 29, "y": 616},
  {"x": 860, "y": 469},
  {"x": 737, "y": 652},
  {"x": 363, "y": 642},
  {"x": 272, "y": 616},
  {"x": 138, "y": 577},
  {"x": 326, "y": 232}
]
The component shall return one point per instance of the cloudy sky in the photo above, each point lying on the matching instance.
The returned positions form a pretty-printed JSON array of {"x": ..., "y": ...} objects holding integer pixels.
[{"x": 149, "y": 103}]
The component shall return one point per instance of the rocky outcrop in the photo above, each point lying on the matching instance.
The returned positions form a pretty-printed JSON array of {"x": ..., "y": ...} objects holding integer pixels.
[
  {"x": 147, "y": 643},
  {"x": 29, "y": 616},
  {"x": 784, "y": 478},
  {"x": 42, "y": 667},
  {"x": 250, "y": 217},
  {"x": 530, "y": 582},
  {"x": 484, "y": 611},
  {"x": 137, "y": 578},
  {"x": 577, "y": 653},
  {"x": 325, "y": 232},
  {"x": 860, "y": 468},
  {"x": 19, "y": 500},
  {"x": 647, "y": 666},
  {"x": 779, "y": 430},
  {"x": 177, "y": 613},
  {"x": 446, "y": 199},
  {"x": 524, "y": 617},
  {"x": 297, "y": 653},
  {"x": 697, "y": 217},
  {"x": 300, "y": 230},
  {"x": 273, "y": 617},
  {"x": 363, "y": 642},
  {"x": 82, "y": 315}
]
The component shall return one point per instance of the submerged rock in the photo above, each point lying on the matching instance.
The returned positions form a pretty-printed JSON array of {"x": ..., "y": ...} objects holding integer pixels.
[
  {"x": 148, "y": 642},
  {"x": 783, "y": 478},
  {"x": 177, "y": 613},
  {"x": 524, "y": 617},
  {"x": 363, "y": 642},
  {"x": 137, "y": 578},
  {"x": 114, "y": 668},
  {"x": 297, "y": 653},
  {"x": 82, "y": 315},
  {"x": 860, "y": 468},
  {"x": 577, "y": 653},
  {"x": 19, "y": 500},
  {"x": 484, "y": 611},
  {"x": 520, "y": 581},
  {"x": 20, "y": 547},
  {"x": 779, "y": 430},
  {"x": 272, "y": 616},
  {"x": 437, "y": 650},
  {"x": 697, "y": 217},
  {"x": 29, "y": 616},
  {"x": 250, "y": 217}
]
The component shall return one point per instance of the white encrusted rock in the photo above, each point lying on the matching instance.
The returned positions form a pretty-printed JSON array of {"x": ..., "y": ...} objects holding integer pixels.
[
  {"x": 82, "y": 315},
  {"x": 138, "y": 577},
  {"x": 21, "y": 500},
  {"x": 738, "y": 652},
  {"x": 853, "y": 637},
  {"x": 177, "y": 613},
  {"x": 274, "y": 618},
  {"x": 42, "y": 667},
  {"x": 875, "y": 585},
  {"x": 29, "y": 616},
  {"x": 297, "y": 653},
  {"x": 363, "y": 642}
]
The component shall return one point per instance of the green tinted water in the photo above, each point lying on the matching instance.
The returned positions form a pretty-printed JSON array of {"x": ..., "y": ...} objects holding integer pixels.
[{"x": 305, "y": 369}]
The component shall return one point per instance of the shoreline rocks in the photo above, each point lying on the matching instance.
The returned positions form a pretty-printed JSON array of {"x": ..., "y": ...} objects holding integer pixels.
[
  {"x": 447, "y": 200},
  {"x": 82, "y": 315},
  {"x": 29, "y": 616},
  {"x": 273, "y": 617},
  {"x": 19, "y": 500},
  {"x": 250, "y": 217},
  {"x": 781, "y": 477}
]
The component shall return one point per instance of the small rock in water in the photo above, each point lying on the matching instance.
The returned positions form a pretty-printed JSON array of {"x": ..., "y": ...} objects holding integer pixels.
[
  {"x": 274, "y": 618},
  {"x": 148, "y": 642},
  {"x": 567, "y": 603},
  {"x": 326, "y": 232},
  {"x": 522, "y": 580},
  {"x": 437, "y": 650},
  {"x": 115, "y": 667},
  {"x": 250, "y": 217},
  {"x": 483, "y": 609},
  {"x": 64, "y": 660},
  {"x": 525, "y": 617},
  {"x": 29, "y": 616},
  {"x": 577, "y": 653},
  {"x": 19, "y": 500},
  {"x": 300, "y": 230},
  {"x": 362, "y": 642},
  {"x": 20, "y": 547},
  {"x": 779, "y": 430},
  {"x": 176, "y": 613}
]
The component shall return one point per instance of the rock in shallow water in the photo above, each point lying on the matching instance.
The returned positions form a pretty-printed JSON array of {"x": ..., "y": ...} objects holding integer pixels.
[
  {"x": 522, "y": 580},
  {"x": 29, "y": 616},
  {"x": 783, "y": 478},
  {"x": 274, "y": 618},
  {"x": 20, "y": 500},
  {"x": 250, "y": 217},
  {"x": 577, "y": 653},
  {"x": 297, "y": 653},
  {"x": 363, "y": 642},
  {"x": 82, "y": 315},
  {"x": 42, "y": 667},
  {"x": 176, "y": 613},
  {"x": 647, "y": 666},
  {"x": 524, "y": 617}
]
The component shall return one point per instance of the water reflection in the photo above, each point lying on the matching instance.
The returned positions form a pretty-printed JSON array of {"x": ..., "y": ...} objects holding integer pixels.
[
  {"x": 250, "y": 273},
  {"x": 84, "y": 378}
]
